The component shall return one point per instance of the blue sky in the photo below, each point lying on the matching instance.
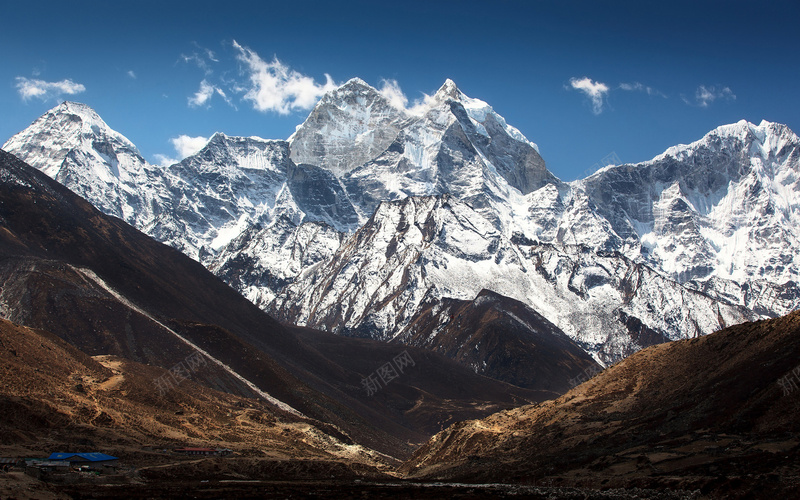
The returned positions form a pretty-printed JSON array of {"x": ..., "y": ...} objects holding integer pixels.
[{"x": 581, "y": 79}]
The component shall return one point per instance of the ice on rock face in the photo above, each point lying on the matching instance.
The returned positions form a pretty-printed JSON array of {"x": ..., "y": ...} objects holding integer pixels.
[
  {"x": 438, "y": 247},
  {"x": 348, "y": 127},
  {"x": 198, "y": 205},
  {"x": 705, "y": 209}
]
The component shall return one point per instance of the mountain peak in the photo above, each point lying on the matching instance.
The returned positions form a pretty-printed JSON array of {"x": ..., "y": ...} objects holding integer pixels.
[
  {"x": 744, "y": 129},
  {"x": 770, "y": 137},
  {"x": 355, "y": 82},
  {"x": 75, "y": 107},
  {"x": 86, "y": 113},
  {"x": 350, "y": 91},
  {"x": 217, "y": 137},
  {"x": 448, "y": 90}
]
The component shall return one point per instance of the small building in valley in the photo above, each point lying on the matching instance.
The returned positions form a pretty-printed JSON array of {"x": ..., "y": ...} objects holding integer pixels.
[
  {"x": 93, "y": 460},
  {"x": 7, "y": 463},
  {"x": 220, "y": 452}
]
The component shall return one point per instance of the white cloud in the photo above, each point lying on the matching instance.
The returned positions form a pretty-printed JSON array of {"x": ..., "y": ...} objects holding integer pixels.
[
  {"x": 596, "y": 91},
  {"x": 198, "y": 61},
  {"x": 638, "y": 87},
  {"x": 131, "y": 74},
  {"x": 706, "y": 95},
  {"x": 203, "y": 95},
  {"x": 390, "y": 89},
  {"x": 29, "y": 88},
  {"x": 276, "y": 87},
  {"x": 186, "y": 146},
  {"x": 210, "y": 54},
  {"x": 164, "y": 160}
]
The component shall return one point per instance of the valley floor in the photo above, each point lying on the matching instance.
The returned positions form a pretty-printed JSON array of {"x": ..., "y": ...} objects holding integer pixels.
[
  {"x": 17, "y": 485},
  {"x": 155, "y": 475}
]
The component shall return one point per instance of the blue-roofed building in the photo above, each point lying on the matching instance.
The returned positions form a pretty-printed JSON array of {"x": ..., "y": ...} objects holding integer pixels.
[{"x": 92, "y": 459}]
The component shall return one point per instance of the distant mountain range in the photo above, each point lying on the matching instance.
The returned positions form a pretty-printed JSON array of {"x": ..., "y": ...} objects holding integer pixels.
[{"x": 370, "y": 219}]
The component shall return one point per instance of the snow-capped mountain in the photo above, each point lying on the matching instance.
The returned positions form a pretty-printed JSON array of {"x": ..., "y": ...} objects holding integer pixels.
[
  {"x": 261, "y": 261},
  {"x": 74, "y": 146},
  {"x": 348, "y": 127},
  {"x": 418, "y": 250},
  {"x": 727, "y": 205},
  {"x": 236, "y": 183},
  {"x": 370, "y": 211},
  {"x": 198, "y": 205},
  {"x": 452, "y": 144}
]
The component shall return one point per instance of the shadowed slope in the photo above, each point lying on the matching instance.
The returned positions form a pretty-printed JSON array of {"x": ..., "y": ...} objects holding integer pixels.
[{"x": 501, "y": 338}]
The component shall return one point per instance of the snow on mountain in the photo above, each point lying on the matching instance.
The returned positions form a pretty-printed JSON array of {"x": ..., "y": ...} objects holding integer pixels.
[
  {"x": 724, "y": 207},
  {"x": 369, "y": 211},
  {"x": 452, "y": 144},
  {"x": 262, "y": 260},
  {"x": 422, "y": 249},
  {"x": 198, "y": 205},
  {"x": 73, "y": 145},
  {"x": 235, "y": 183},
  {"x": 348, "y": 127}
]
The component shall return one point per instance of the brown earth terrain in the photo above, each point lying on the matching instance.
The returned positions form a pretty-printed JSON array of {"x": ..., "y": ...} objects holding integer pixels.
[
  {"x": 715, "y": 414},
  {"x": 501, "y": 338}
]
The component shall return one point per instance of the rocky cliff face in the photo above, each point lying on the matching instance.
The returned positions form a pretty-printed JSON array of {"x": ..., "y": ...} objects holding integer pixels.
[
  {"x": 724, "y": 206},
  {"x": 422, "y": 249},
  {"x": 348, "y": 127}
]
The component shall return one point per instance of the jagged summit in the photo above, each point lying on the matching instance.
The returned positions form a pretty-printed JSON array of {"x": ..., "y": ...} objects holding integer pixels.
[
  {"x": 449, "y": 90},
  {"x": 64, "y": 128},
  {"x": 769, "y": 136},
  {"x": 349, "y": 126},
  {"x": 73, "y": 145},
  {"x": 354, "y": 82},
  {"x": 77, "y": 108},
  {"x": 353, "y": 92}
]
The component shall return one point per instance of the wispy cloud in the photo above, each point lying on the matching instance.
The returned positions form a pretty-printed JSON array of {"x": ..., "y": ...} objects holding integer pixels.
[
  {"x": 164, "y": 160},
  {"x": 390, "y": 89},
  {"x": 202, "y": 58},
  {"x": 596, "y": 91},
  {"x": 184, "y": 146},
  {"x": 273, "y": 86},
  {"x": 704, "y": 96},
  {"x": 639, "y": 87},
  {"x": 205, "y": 93},
  {"x": 131, "y": 74},
  {"x": 30, "y": 88}
]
